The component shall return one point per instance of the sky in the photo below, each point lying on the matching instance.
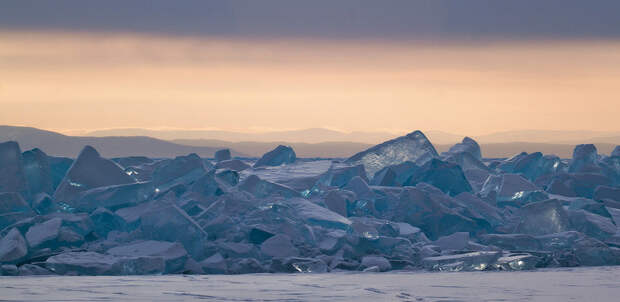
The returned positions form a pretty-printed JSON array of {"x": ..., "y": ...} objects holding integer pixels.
[{"x": 470, "y": 67}]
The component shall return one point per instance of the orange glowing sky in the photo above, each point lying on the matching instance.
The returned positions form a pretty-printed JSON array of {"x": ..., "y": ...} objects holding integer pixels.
[{"x": 67, "y": 81}]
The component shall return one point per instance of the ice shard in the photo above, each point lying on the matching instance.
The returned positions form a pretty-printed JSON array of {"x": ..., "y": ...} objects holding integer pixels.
[
  {"x": 616, "y": 152},
  {"x": 90, "y": 171},
  {"x": 180, "y": 170},
  {"x": 279, "y": 246},
  {"x": 174, "y": 254},
  {"x": 13, "y": 208},
  {"x": 37, "y": 172},
  {"x": 12, "y": 178},
  {"x": 468, "y": 145},
  {"x": 13, "y": 247},
  {"x": 262, "y": 188},
  {"x": 475, "y": 261},
  {"x": 221, "y": 155},
  {"x": 91, "y": 263},
  {"x": 446, "y": 176},
  {"x": 232, "y": 164},
  {"x": 395, "y": 175},
  {"x": 278, "y": 156},
  {"x": 543, "y": 217},
  {"x": 584, "y": 159},
  {"x": 414, "y": 147}
]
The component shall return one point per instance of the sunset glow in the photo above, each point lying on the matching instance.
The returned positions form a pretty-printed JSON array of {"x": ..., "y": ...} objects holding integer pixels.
[{"x": 97, "y": 80}]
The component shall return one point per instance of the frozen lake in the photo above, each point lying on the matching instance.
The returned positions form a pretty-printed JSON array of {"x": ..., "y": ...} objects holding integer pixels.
[{"x": 567, "y": 284}]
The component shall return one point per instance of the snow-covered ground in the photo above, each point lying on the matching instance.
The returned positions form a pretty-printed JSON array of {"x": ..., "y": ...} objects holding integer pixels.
[{"x": 565, "y": 284}]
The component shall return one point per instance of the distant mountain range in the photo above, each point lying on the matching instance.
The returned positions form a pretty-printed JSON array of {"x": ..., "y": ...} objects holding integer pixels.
[
  {"x": 551, "y": 137},
  {"x": 128, "y": 142},
  {"x": 57, "y": 144},
  {"x": 321, "y": 135},
  {"x": 311, "y": 136}
]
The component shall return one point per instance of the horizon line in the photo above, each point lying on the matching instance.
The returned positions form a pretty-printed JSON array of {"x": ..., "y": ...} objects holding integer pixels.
[{"x": 265, "y": 130}]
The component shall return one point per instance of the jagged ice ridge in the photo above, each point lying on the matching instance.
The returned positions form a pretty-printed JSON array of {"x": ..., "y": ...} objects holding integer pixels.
[{"x": 396, "y": 206}]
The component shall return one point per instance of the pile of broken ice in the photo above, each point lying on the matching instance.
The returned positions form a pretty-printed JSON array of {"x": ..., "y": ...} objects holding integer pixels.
[{"x": 396, "y": 206}]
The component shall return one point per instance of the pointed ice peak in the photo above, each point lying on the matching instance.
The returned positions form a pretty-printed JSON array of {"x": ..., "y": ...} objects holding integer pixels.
[
  {"x": 467, "y": 145},
  {"x": 90, "y": 171},
  {"x": 89, "y": 160},
  {"x": 416, "y": 134},
  {"x": 88, "y": 152},
  {"x": 469, "y": 140}
]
